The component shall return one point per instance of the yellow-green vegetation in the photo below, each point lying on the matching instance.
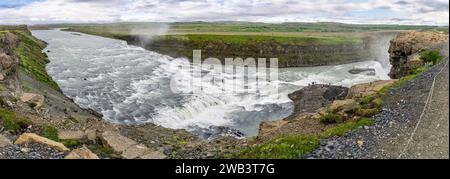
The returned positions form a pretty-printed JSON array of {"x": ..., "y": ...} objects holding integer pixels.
[
  {"x": 50, "y": 132},
  {"x": 256, "y": 27},
  {"x": 431, "y": 56},
  {"x": 12, "y": 121},
  {"x": 101, "y": 150},
  {"x": 343, "y": 128},
  {"x": 32, "y": 60},
  {"x": 286, "y": 147},
  {"x": 295, "y": 147},
  {"x": 256, "y": 39},
  {"x": 329, "y": 118}
]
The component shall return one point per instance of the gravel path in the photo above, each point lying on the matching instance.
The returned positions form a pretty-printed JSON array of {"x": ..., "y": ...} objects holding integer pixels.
[
  {"x": 404, "y": 129},
  {"x": 32, "y": 151}
]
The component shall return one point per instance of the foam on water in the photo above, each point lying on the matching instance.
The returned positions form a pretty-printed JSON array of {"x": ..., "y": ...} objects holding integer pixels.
[{"x": 131, "y": 85}]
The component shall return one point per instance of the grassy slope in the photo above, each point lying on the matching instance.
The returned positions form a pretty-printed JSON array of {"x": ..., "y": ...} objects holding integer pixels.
[{"x": 32, "y": 60}]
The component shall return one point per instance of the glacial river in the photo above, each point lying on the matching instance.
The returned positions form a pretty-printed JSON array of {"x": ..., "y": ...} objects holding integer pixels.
[{"x": 131, "y": 85}]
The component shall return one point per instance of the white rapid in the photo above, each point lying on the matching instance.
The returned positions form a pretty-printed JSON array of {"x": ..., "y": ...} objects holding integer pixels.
[{"x": 131, "y": 85}]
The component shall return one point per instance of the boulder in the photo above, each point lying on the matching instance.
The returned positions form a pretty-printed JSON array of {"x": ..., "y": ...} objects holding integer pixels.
[
  {"x": 37, "y": 99},
  {"x": 134, "y": 152},
  {"x": 71, "y": 135},
  {"x": 91, "y": 134},
  {"x": 4, "y": 141},
  {"x": 368, "y": 88},
  {"x": 129, "y": 149},
  {"x": 81, "y": 153},
  {"x": 315, "y": 97},
  {"x": 410, "y": 43},
  {"x": 343, "y": 105},
  {"x": 116, "y": 142},
  {"x": 153, "y": 155},
  {"x": 31, "y": 137}
]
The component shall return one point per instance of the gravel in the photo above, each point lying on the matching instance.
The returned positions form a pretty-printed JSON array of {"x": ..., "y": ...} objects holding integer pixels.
[{"x": 32, "y": 151}]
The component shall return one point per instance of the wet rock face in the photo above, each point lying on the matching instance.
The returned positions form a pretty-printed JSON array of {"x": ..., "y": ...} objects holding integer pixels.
[
  {"x": 405, "y": 47},
  {"x": 312, "y": 98}
]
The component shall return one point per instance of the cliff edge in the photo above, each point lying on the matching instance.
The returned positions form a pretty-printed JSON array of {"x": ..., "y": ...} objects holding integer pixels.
[{"x": 405, "y": 50}]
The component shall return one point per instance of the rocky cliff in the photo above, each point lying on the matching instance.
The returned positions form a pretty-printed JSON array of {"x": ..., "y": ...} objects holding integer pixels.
[
  {"x": 405, "y": 48},
  {"x": 289, "y": 55},
  {"x": 8, "y": 60}
]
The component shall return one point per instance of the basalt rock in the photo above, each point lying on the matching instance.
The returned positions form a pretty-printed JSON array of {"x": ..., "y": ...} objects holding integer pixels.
[
  {"x": 405, "y": 47},
  {"x": 315, "y": 97},
  {"x": 8, "y": 61}
]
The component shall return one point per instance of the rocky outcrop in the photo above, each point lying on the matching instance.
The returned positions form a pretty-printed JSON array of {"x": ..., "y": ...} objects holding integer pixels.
[
  {"x": 71, "y": 135},
  {"x": 128, "y": 148},
  {"x": 33, "y": 100},
  {"x": 27, "y": 138},
  {"x": 312, "y": 98},
  {"x": 287, "y": 54},
  {"x": 368, "y": 88},
  {"x": 81, "y": 153},
  {"x": 8, "y": 61},
  {"x": 405, "y": 47}
]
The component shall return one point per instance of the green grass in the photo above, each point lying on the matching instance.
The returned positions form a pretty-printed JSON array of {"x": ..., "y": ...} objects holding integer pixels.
[
  {"x": 431, "y": 56},
  {"x": 193, "y": 27},
  {"x": 13, "y": 122},
  {"x": 289, "y": 147},
  {"x": 32, "y": 60},
  {"x": 50, "y": 132},
  {"x": 329, "y": 118},
  {"x": 295, "y": 147},
  {"x": 343, "y": 128},
  {"x": 255, "y": 39}
]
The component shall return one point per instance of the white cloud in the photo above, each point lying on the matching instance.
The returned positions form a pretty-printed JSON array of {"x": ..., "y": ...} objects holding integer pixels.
[{"x": 394, "y": 11}]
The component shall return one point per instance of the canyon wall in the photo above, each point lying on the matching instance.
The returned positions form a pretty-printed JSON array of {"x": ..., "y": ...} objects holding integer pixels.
[
  {"x": 405, "y": 50},
  {"x": 288, "y": 55}
]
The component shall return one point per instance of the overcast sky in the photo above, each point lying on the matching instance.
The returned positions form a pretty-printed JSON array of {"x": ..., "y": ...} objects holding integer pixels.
[{"x": 430, "y": 12}]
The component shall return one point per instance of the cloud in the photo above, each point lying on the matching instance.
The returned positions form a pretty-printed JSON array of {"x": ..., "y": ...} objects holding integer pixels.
[{"x": 433, "y": 12}]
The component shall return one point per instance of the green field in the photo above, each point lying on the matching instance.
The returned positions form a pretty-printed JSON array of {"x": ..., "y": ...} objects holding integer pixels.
[
  {"x": 325, "y": 33},
  {"x": 205, "y": 27}
]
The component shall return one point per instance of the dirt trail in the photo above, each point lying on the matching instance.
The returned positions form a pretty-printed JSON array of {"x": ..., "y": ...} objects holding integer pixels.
[{"x": 430, "y": 137}]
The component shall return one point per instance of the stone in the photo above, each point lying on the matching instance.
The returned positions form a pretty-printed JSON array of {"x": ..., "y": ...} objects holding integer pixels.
[
  {"x": 71, "y": 135},
  {"x": 91, "y": 134},
  {"x": 25, "y": 150},
  {"x": 368, "y": 88},
  {"x": 4, "y": 141},
  {"x": 343, "y": 105},
  {"x": 81, "y": 153},
  {"x": 315, "y": 97},
  {"x": 37, "y": 99},
  {"x": 31, "y": 137},
  {"x": 134, "y": 152},
  {"x": 266, "y": 127},
  {"x": 153, "y": 155},
  {"x": 360, "y": 143},
  {"x": 116, "y": 142}
]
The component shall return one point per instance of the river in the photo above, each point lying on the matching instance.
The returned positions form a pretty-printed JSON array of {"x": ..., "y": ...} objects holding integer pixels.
[{"x": 130, "y": 85}]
